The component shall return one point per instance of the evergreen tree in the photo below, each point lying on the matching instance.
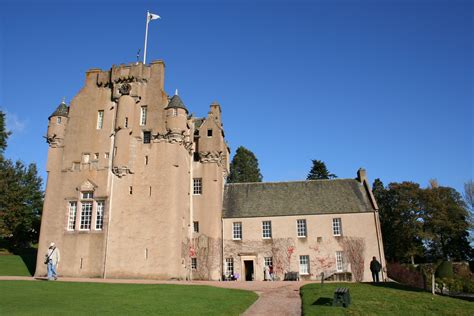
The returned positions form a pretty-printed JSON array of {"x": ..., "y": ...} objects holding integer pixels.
[
  {"x": 319, "y": 171},
  {"x": 244, "y": 167},
  {"x": 21, "y": 199},
  {"x": 3, "y": 134}
]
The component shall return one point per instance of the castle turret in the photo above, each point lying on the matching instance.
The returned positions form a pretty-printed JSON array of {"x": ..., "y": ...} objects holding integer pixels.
[
  {"x": 57, "y": 125},
  {"x": 176, "y": 116}
]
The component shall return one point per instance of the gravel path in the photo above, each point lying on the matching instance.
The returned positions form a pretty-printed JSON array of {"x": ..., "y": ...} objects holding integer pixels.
[{"x": 275, "y": 298}]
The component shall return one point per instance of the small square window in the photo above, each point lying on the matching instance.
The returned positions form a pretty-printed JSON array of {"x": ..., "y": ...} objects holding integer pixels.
[
  {"x": 96, "y": 156},
  {"x": 146, "y": 137},
  {"x": 86, "y": 158},
  {"x": 58, "y": 120},
  {"x": 194, "y": 263},
  {"x": 196, "y": 227},
  {"x": 87, "y": 195},
  {"x": 209, "y": 133},
  {"x": 76, "y": 166}
]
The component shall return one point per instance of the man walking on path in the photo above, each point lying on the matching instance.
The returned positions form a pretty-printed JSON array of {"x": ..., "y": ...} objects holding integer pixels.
[
  {"x": 52, "y": 258},
  {"x": 375, "y": 267}
]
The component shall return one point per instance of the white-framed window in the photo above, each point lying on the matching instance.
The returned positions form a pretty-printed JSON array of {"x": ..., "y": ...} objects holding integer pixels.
[
  {"x": 86, "y": 158},
  {"x": 304, "y": 265},
  {"x": 196, "y": 227},
  {"x": 100, "y": 119},
  {"x": 87, "y": 195},
  {"x": 336, "y": 227},
  {"x": 86, "y": 215},
  {"x": 267, "y": 229},
  {"x": 58, "y": 119},
  {"x": 339, "y": 261},
  {"x": 99, "y": 219},
  {"x": 194, "y": 263},
  {"x": 237, "y": 230},
  {"x": 175, "y": 112},
  {"x": 229, "y": 266},
  {"x": 143, "y": 114},
  {"x": 72, "y": 209},
  {"x": 301, "y": 228},
  {"x": 197, "y": 186},
  {"x": 268, "y": 261}
]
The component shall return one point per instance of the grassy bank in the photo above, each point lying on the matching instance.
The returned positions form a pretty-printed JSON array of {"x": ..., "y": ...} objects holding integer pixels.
[
  {"x": 383, "y": 299},
  {"x": 61, "y": 298}
]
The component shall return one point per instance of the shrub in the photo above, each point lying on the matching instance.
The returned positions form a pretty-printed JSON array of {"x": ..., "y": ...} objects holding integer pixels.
[
  {"x": 445, "y": 270},
  {"x": 406, "y": 275}
]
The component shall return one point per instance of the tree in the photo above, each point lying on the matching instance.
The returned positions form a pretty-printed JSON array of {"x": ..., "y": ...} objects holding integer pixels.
[
  {"x": 3, "y": 133},
  {"x": 21, "y": 198},
  {"x": 446, "y": 224},
  {"x": 244, "y": 167},
  {"x": 319, "y": 171},
  {"x": 469, "y": 194},
  {"x": 401, "y": 219}
]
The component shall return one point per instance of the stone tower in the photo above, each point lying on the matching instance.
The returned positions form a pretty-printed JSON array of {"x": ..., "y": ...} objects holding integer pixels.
[{"x": 135, "y": 184}]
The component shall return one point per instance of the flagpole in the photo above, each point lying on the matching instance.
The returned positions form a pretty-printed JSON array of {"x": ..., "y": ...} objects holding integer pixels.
[{"x": 146, "y": 36}]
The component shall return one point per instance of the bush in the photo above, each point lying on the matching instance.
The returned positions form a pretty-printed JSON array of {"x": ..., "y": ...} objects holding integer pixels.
[
  {"x": 445, "y": 270},
  {"x": 406, "y": 274}
]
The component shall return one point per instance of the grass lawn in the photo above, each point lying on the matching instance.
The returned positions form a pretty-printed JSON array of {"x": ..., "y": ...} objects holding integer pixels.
[
  {"x": 384, "y": 299},
  {"x": 61, "y": 298},
  {"x": 13, "y": 265}
]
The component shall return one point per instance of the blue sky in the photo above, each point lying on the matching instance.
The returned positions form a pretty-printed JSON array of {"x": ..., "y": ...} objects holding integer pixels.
[{"x": 385, "y": 85}]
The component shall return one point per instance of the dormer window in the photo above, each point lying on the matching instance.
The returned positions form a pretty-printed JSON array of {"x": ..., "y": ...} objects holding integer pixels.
[{"x": 87, "y": 195}]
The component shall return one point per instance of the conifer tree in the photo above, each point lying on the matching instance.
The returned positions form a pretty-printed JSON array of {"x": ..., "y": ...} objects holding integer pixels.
[
  {"x": 244, "y": 167},
  {"x": 3, "y": 134},
  {"x": 319, "y": 171}
]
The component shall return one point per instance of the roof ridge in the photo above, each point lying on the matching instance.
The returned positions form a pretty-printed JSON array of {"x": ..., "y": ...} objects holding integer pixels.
[{"x": 294, "y": 181}]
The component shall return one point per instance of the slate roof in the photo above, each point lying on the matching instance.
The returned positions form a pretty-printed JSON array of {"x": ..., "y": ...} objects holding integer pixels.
[
  {"x": 61, "y": 110},
  {"x": 176, "y": 102},
  {"x": 295, "y": 198}
]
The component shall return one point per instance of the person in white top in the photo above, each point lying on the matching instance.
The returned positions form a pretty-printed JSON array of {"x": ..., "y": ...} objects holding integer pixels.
[{"x": 52, "y": 258}]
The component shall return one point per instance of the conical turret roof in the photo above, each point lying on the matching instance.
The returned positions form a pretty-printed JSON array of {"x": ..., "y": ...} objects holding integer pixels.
[
  {"x": 61, "y": 110},
  {"x": 176, "y": 102}
]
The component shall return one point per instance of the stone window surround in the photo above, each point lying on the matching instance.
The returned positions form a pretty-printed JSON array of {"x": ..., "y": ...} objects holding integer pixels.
[
  {"x": 337, "y": 226},
  {"x": 266, "y": 229},
  {"x": 78, "y": 214},
  {"x": 301, "y": 228},
  {"x": 237, "y": 230}
]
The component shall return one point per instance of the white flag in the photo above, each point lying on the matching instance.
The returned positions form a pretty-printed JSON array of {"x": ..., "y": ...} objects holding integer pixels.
[{"x": 152, "y": 16}]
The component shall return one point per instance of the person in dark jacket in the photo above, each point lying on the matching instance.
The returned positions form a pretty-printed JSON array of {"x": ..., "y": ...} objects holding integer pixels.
[{"x": 375, "y": 267}]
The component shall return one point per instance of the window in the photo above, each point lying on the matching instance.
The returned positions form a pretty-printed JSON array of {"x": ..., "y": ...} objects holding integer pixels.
[
  {"x": 336, "y": 227},
  {"x": 267, "y": 229},
  {"x": 130, "y": 190},
  {"x": 196, "y": 156},
  {"x": 96, "y": 156},
  {"x": 143, "y": 113},
  {"x": 86, "y": 158},
  {"x": 86, "y": 215},
  {"x": 268, "y": 261},
  {"x": 146, "y": 160},
  {"x": 301, "y": 227},
  {"x": 229, "y": 266},
  {"x": 237, "y": 230},
  {"x": 146, "y": 137},
  {"x": 58, "y": 119},
  {"x": 100, "y": 119},
  {"x": 209, "y": 133},
  {"x": 76, "y": 166},
  {"x": 196, "y": 227},
  {"x": 71, "y": 223},
  {"x": 339, "y": 261},
  {"x": 194, "y": 263},
  {"x": 197, "y": 186},
  {"x": 126, "y": 122},
  {"x": 175, "y": 112},
  {"x": 88, "y": 195},
  {"x": 106, "y": 155},
  {"x": 304, "y": 265},
  {"x": 99, "y": 220}
]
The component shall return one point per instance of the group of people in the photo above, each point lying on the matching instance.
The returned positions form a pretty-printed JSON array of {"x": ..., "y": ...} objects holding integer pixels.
[{"x": 268, "y": 273}]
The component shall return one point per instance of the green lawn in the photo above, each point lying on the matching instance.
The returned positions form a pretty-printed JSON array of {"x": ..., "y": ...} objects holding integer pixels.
[
  {"x": 66, "y": 298},
  {"x": 13, "y": 265},
  {"x": 384, "y": 299}
]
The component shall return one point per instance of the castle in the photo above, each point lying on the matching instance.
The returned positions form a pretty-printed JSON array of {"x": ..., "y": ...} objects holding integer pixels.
[{"x": 137, "y": 189}]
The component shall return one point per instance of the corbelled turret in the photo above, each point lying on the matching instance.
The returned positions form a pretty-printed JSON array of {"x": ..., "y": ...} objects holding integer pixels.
[{"x": 57, "y": 125}]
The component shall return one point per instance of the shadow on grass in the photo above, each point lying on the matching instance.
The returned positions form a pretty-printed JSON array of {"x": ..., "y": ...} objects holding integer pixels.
[
  {"x": 28, "y": 255},
  {"x": 323, "y": 301}
]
